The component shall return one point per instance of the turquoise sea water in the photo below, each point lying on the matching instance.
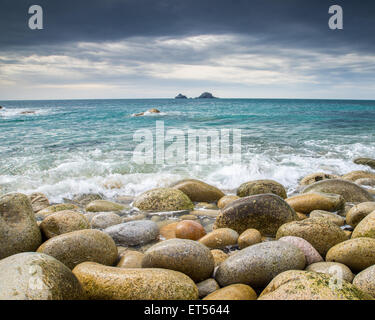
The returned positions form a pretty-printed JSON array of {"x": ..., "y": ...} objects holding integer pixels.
[{"x": 79, "y": 146}]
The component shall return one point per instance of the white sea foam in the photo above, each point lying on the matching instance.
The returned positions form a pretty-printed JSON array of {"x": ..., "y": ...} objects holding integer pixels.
[{"x": 90, "y": 174}]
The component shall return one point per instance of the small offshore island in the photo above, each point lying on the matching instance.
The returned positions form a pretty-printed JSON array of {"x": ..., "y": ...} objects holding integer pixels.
[{"x": 204, "y": 95}]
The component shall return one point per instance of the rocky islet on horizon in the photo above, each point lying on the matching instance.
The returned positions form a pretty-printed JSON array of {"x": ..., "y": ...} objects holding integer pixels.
[{"x": 130, "y": 247}]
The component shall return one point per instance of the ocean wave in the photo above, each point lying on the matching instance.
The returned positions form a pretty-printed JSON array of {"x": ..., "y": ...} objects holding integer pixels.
[{"x": 112, "y": 178}]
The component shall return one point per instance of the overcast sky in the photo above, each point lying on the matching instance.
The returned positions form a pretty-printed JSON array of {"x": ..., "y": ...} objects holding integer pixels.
[{"x": 159, "y": 48}]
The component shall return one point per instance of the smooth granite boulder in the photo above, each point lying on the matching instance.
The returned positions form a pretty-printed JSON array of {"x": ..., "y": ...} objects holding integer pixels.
[
  {"x": 186, "y": 256},
  {"x": 349, "y": 190},
  {"x": 19, "y": 231},
  {"x": 307, "y": 285},
  {"x": 37, "y": 276},
  {"x": 265, "y": 212},
  {"x": 80, "y": 246},
  {"x": 259, "y": 264},
  {"x": 109, "y": 283},
  {"x": 133, "y": 233}
]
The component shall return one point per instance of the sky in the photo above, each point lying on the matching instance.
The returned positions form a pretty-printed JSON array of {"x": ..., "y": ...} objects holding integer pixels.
[{"x": 158, "y": 48}]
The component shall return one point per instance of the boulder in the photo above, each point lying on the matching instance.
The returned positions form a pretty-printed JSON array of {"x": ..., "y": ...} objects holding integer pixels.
[
  {"x": 163, "y": 199},
  {"x": 220, "y": 238},
  {"x": 206, "y": 287},
  {"x": 316, "y": 177},
  {"x": 19, "y": 231},
  {"x": 168, "y": 231},
  {"x": 358, "y": 254},
  {"x": 38, "y": 201},
  {"x": 56, "y": 208},
  {"x": 249, "y": 238},
  {"x": 233, "y": 292},
  {"x": 338, "y": 270},
  {"x": 105, "y": 220},
  {"x": 37, "y": 276},
  {"x": 311, "y": 255},
  {"x": 365, "y": 162},
  {"x": 131, "y": 259},
  {"x": 109, "y": 283},
  {"x": 265, "y": 212},
  {"x": 355, "y": 175},
  {"x": 357, "y": 213},
  {"x": 349, "y": 190},
  {"x": 219, "y": 256},
  {"x": 308, "y": 202},
  {"x": 134, "y": 233},
  {"x": 188, "y": 229},
  {"x": 63, "y": 222},
  {"x": 332, "y": 217},
  {"x": 199, "y": 191},
  {"x": 320, "y": 233},
  {"x": 307, "y": 285},
  {"x": 366, "y": 182},
  {"x": 186, "y": 256},
  {"x": 80, "y": 246},
  {"x": 224, "y": 201},
  {"x": 104, "y": 206},
  {"x": 83, "y": 200},
  {"x": 365, "y": 281},
  {"x": 366, "y": 228},
  {"x": 259, "y": 264},
  {"x": 253, "y": 188}
]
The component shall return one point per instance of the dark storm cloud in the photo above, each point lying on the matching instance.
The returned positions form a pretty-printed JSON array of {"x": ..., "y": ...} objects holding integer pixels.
[{"x": 286, "y": 22}]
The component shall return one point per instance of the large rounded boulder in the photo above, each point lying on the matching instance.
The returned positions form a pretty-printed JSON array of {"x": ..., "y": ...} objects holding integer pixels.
[
  {"x": 109, "y": 283},
  {"x": 320, "y": 233},
  {"x": 37, "y": 276},
  {"x": 186, "y": 256},
  {"x": 265, "y": 212},
  {"x": 163, "y": 199},
  {"x": 359, "y": 212},
  {"x": 38, "y": 201},
  {"x": 253, "y": 188},
  {"x": 366, "y": 228},
  {"x": 308, "y": 202},
  {"x": 307, "y": 285},
  {"x": 358, "y": 254},
  {"x": 365, "y": 280},
  {"x": 259, "y": 264},
  {"x": 349, "y": 190},
  {"x": 104, "y": 206},
  {"x": 199, "y": 191},
  {"x": 19, "y": 231},
  {"x": 133, "y": 233},
  {"x": 80, "y": 246},
  {"x": 316, "y": 177},
  {"x": 356, "y": 175},
  {"x": 63, "y": 222},
  {"x": 336, "y": 269}
]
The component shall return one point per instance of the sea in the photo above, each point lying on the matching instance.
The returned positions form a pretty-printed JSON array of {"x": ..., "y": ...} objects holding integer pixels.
[{"x": 64, "y": 148}]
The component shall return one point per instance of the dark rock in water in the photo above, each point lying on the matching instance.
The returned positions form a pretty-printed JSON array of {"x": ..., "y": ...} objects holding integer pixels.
[
  {"x": 363, "y": 161},
  {"x": 1, "y": 107},
  {"x": 28, "y": 112},
  {"x": 181, "y": 96},
  {"x": 206, "y": 95}
]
